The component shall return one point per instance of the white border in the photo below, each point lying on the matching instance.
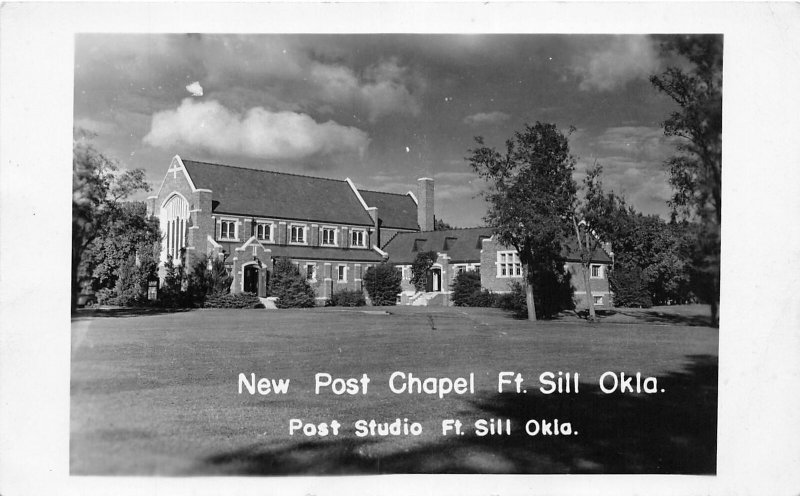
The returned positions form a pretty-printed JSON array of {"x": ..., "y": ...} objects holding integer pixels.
[{"x": 759, "y": 338}]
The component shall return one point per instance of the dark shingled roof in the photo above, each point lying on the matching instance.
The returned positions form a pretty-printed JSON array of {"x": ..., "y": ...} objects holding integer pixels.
[
  {"x": 461, "y": 245},
  {"x": 395, "y": 211},
  {"x": 236, "y": 190}
]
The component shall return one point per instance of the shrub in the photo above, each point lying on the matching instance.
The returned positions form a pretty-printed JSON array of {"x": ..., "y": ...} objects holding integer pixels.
[
  {"x": 290, "y": 287},
  {"x": 552, "y": 293},
  {"x": 464, "y": 288},
  {"x": 208, "y": 277},
  {"x": 347, "y": 299},
  {"x": 483, "y": 298},
  {"x": 514, "y": 301},
  {"x": 383, "y": 284},
  {"x": 236, "y": 300}
]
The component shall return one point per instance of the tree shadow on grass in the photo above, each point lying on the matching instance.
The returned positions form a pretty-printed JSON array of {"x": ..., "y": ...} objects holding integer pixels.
[
  {"x": 91, "y": 313},
  {"x": 674, "y": 432},
  {"x": 659, "y": 317}
]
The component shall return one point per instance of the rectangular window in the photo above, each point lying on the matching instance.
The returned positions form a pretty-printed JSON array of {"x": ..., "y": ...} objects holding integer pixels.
[
  {"x": 508, "y": 264},
  {"x": 264, "y": 232},
  {"x": 342, "y": 273},
  {"x": 227, "y": 229},
  {"x": 328, "y": 236},
  {"x": 597, "y": 271},
  {"x": 311, "y": 271},
  {"x": 598, "y": 300},
  {"x": 298, "y": 234},
  {"x": 358, "y": 238}
]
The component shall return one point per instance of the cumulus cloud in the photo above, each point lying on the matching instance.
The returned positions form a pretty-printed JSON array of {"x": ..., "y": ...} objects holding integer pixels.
[
  {"x": 195, "y": 89},
  {"x": 486, "y": 118},
  {"x": 613, "y": 64},
  {"x": 257, "y": 132},
  {"x": 384, "y": 89}
]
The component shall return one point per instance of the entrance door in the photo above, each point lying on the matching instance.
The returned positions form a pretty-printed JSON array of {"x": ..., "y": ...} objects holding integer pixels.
[
  {"x": 434, "y": 282},
  {"x": 251, "y": 279}
]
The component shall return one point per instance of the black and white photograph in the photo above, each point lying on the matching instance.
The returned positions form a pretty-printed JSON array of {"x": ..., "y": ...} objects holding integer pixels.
[{"x": 313, "y": 257}]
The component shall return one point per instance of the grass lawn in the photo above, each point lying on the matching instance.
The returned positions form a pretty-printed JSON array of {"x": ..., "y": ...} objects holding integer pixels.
[{"x": 157, "y": 393}]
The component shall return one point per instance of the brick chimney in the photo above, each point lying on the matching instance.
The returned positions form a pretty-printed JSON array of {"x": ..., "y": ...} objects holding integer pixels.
[{"x": 425, "y": 205}]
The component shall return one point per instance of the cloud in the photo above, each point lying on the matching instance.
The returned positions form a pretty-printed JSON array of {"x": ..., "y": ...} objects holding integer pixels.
[
  {"x": 486, "y": 118},
  {"x": 386, "y": 88},
  {"x": 257, "y": 132},
  {"x": 195, "y": 89},
  {"x": 611, "y": 64}
]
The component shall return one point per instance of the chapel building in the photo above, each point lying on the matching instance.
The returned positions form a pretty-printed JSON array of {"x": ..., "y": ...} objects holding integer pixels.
[{"x": 331, "y": 230}]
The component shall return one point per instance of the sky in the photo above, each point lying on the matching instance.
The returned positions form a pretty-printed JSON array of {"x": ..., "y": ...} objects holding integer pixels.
[{"x": 381, "y": 109}]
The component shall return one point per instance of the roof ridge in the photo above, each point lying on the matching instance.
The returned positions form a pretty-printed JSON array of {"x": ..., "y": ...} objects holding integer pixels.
[
  {"x": 261, "y": 170},
  {"x": 383, "y": 192}
]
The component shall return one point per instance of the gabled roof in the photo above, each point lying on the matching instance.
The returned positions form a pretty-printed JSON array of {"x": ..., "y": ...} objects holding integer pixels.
[
  {"x": 395, "y": 211},
  {"x": 461, "y": 245},
  {"x": 260, "y": 193}
]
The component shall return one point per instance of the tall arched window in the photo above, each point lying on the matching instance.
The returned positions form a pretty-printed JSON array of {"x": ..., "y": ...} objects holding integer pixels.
[{"x": 174, "y": 217}]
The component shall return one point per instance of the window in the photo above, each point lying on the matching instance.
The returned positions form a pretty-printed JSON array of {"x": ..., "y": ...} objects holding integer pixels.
[
  {"x": 328, "y": 236},
  {"x": 227, "y": 229},
  {"x": 298, "y": 234},
  {"x": 508, "y": 264},
  {"x": 357, "y": 238},
  {"x": 264, "y": 232},
  {"x": 598, "y": 300},
  {"x": 342, "y": 273},
  {"x": 174, "y": 225},
  {"x": 597, "y": 271},
  {"x": 311, "y": 271}
]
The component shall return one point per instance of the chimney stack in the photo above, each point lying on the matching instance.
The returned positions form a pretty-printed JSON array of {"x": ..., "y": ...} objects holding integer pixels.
[{"x": 425, "y": 205}]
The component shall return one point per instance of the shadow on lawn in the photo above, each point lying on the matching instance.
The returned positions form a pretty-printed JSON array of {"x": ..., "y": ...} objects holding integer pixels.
[
  {"x": 673, "y": 318},
  {"x": 87, "y": 313},
  {"x": 670, "y": 433}
]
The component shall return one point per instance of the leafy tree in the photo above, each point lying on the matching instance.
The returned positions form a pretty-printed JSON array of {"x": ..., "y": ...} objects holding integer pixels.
[
  {"x": 98, "y": 188},
  {"x": 592, "y": 227},
  {"x": 531, "y": 197},
  {"x": 696, "y": 171},
  {"x": 383, "y": 284},
  {"x": 420, "y": 267},
  {"x": 289, "y": 286},
  {"x": 128, "y": 237},
  {"x": 440, "y": 225},
  {"x": 630, "y": 287}
]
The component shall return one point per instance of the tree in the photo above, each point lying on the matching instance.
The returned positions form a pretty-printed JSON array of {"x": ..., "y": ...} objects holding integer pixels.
[
  {"x": 696, "y": 171},
  {"x": 289, "y": 286},
  {"x": 591, "y": 228},
  {"x": 465, "y": 288},
  {"x": 98, "y": 188},
  {"x": 128, "y": 237},
  {"x": 383, "y": 284},
  {"x": 440, "y": 225},
  {"x": 531, "y": 197}
]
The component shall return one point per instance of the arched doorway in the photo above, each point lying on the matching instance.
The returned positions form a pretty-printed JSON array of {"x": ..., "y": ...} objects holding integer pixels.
[{"x": 251, "y": 279}]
